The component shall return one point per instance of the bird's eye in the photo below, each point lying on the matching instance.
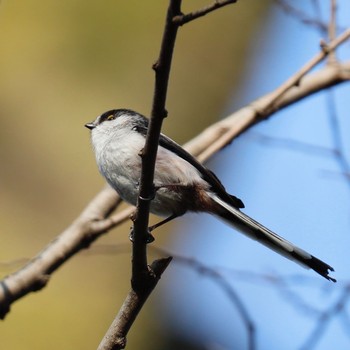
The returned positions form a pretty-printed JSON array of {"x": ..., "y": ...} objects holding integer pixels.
[{"x": 111, "y": 117}]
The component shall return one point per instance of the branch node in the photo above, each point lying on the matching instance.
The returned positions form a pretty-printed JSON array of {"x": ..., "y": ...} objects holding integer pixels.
[
  {"x": 120, "y": 342},
  {"x": 297, "y": 82},
  {"x": 159, "y": 266},
  {"x": 155, "y": 66},
  {"x": 6, "y": 302},
  {"x": 41, "y": 282},
  {"x": 165, "y": 113},
  {"x": 179, "y": 19},
  {"x": 324, "y": 47},
  {"x": 151, "y": 195},
  {"x": 142, "y": 152}
]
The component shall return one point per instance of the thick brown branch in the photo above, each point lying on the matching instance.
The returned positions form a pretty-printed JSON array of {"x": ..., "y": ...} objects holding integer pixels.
[
  {"x": 115, "y": 337},
  {"x": 140, "y": 272}
]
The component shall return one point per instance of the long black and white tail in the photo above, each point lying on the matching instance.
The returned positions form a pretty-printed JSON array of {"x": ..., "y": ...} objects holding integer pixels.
[{"x": 258, "y": 232}]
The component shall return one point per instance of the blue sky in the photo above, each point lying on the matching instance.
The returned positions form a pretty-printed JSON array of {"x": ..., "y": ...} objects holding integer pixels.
[{"x": 301, "y": 195}]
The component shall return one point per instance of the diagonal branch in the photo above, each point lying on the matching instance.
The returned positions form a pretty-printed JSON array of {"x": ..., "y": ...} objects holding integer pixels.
[
  {"x": 219, "y": 135},
  {"x": 223, "y": 283},
  {"x": 325, "y": 318},
  {"x": 183, "y": 19},
  {"x": 326, "y": 50},
  {"x": 115, "y": 337},
  {"x": 96, "y": 219}
]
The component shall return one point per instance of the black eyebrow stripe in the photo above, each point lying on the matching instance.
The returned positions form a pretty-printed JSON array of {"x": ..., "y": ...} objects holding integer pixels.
[{"x": 105, "y": 115}]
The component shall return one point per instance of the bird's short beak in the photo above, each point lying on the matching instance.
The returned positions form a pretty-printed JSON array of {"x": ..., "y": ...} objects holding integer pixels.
[{"x": 90, "y": 125}]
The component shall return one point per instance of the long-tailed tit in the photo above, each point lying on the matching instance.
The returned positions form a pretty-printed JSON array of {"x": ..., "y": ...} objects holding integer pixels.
[{"x": 182, "y": 183}]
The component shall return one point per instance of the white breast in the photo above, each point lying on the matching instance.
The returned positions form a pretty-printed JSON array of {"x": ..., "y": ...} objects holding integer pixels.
[{"x": 117, "y": 155}]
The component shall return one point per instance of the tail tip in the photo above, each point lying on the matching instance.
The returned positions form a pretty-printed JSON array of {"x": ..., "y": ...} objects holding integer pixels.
[
  {"x": 329, "y": 278},
  {"x": 321, "y": 268}
]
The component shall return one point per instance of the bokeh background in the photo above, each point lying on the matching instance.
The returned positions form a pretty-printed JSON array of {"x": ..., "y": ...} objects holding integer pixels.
[{"x": 62, "y": 64}]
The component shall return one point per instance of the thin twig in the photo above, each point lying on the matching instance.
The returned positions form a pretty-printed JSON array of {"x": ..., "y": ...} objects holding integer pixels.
[
  {"x": 221, "y": 281},
  {"x": 295, "y": 80},
  {"x": 337, "y": 139},
  {"x": 222, "y": 133},
  {"x": 303, "y": 17},
  {"x": 183, "y": 19},
  {"x": 325, "y": 318},
  {"x": 318, "y": 14},
  {"x": 292, "y": 144},
  {"x": 281, "y": 283},
  {"x": 332, "y": 28},
  {"x": 115, "y": 338}
]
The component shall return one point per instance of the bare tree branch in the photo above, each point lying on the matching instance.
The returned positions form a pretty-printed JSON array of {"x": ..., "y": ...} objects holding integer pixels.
[
  {"x": 220, "y": 134},
  {"x": 302, "y": 16},
  {"x": 98, "y": 217},
  {"x": 294, "y": 145},
  {"x": 332, "y": 29},
  {"x": 221, "y": 281},
  {"x": 140, "y": 271},
  {"x": 94, "y": 220},
  {"x": 325, "y": 318},
  {"x": 294, "y": 80},
  {"x": 145, "y": 278},
  {"x": 339, "y": 149},
  {"x": 183, "y": 19},
  {"x": 115, "y": 338}
]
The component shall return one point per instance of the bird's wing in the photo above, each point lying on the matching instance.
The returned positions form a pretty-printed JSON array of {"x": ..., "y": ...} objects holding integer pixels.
[{"x": 206, "y": 174}]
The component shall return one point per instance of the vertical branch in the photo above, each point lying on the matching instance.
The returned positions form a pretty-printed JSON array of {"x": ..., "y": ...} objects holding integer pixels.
[
  {"x": 115, "y": 337},
  {"x": 337, "y": 139},
  {"x": 149, "y": 153},
  {"x": 163, "y": 64},
  {"x": 145, "y": 278},
  {"x": 332, "y": 27}
]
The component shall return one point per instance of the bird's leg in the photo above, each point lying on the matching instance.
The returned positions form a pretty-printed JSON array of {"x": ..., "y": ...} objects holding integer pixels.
[
  {"x": 160, "y": 223},
  {"x": 150, "y": 237}
]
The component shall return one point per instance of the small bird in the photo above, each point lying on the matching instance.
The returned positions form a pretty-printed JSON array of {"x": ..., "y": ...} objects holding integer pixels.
[{"x": 182, "y": 183}]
